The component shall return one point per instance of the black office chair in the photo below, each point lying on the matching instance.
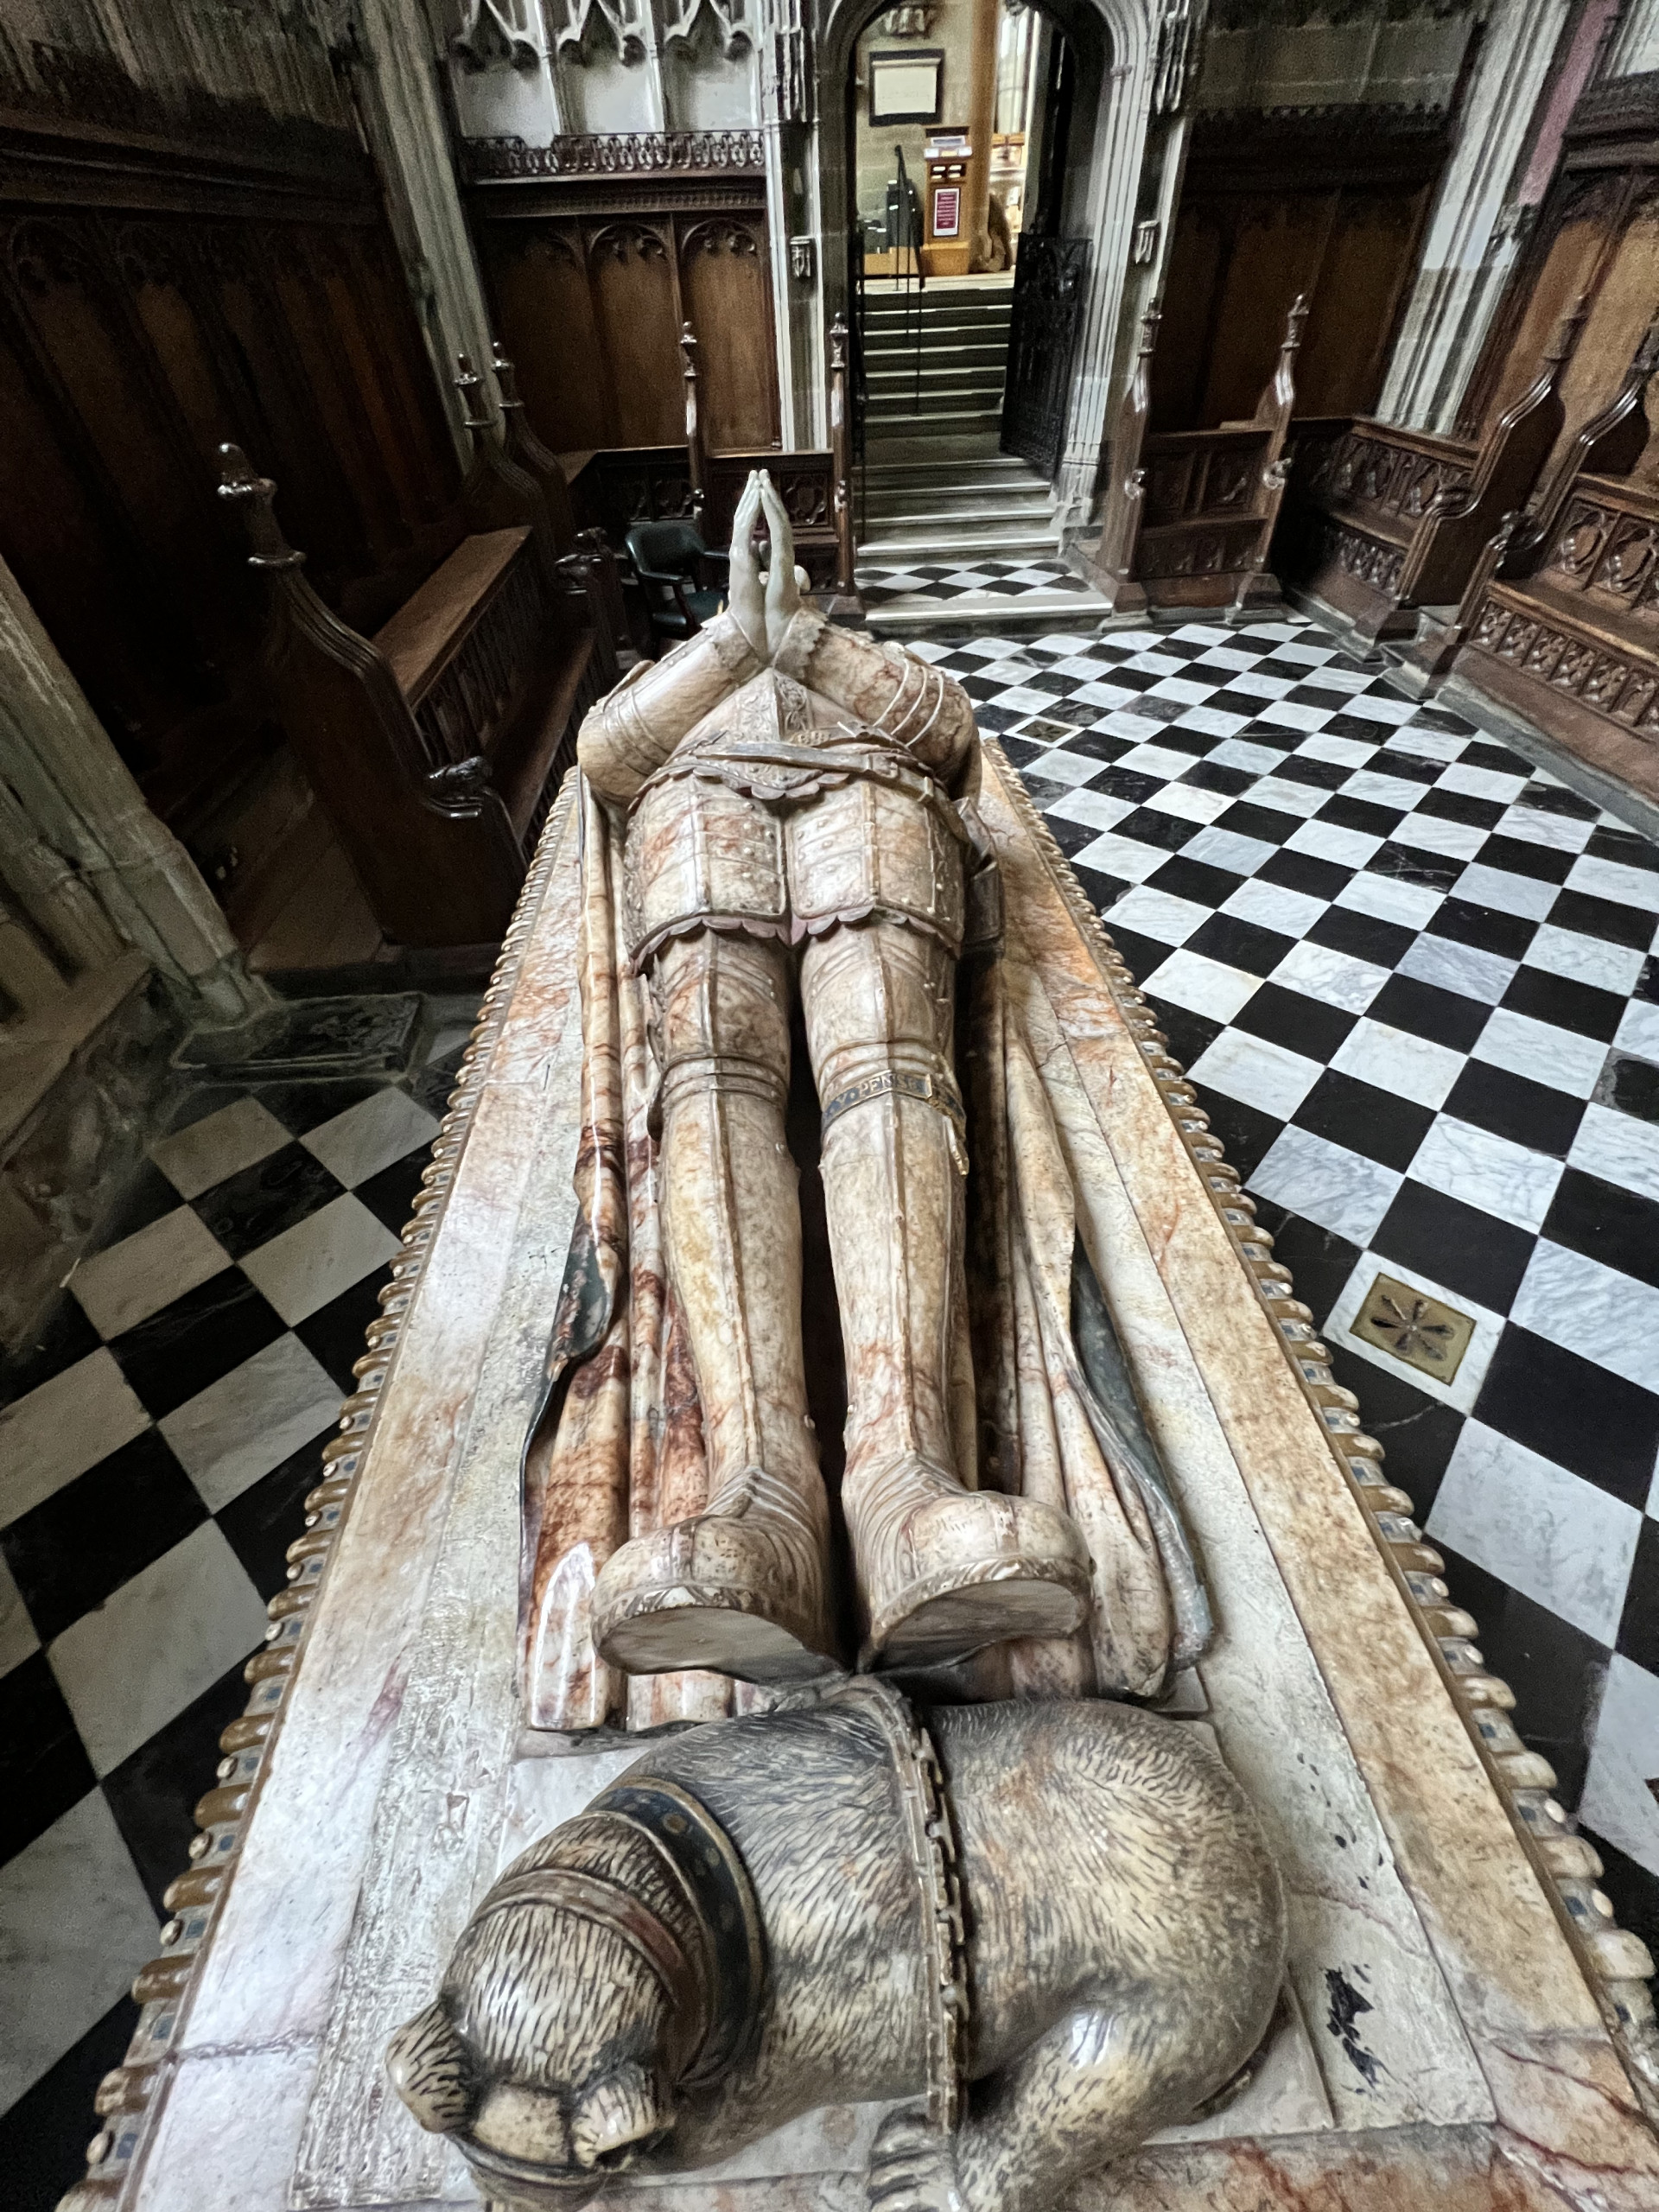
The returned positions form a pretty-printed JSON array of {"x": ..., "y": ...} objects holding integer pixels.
[{"x": 670, "y": 559}]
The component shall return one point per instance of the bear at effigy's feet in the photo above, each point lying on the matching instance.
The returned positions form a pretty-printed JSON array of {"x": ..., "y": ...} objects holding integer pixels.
[{"x": 1042, "y": 1931}]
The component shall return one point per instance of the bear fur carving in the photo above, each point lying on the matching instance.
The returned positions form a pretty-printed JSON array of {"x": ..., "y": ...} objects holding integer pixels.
[{"x": 1125, "y": 1935}]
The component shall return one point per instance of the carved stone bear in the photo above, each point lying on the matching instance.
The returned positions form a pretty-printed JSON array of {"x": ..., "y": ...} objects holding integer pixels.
[{"x": 1059, "y": 1925}]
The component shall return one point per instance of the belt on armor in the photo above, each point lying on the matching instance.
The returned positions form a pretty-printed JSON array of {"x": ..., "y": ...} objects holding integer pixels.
[{"x": 900, "y": 1083}]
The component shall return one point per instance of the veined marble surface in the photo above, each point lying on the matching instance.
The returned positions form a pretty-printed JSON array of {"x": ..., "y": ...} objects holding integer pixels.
[{"x": 383, "y": 1812}]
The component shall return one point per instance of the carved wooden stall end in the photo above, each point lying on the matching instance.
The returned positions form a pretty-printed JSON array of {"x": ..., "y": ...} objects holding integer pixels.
[{"x": 1189, "y": 514}]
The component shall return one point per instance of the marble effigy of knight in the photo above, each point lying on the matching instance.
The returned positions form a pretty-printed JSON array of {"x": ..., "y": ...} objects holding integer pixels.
[{"x": 781, "y": 812}]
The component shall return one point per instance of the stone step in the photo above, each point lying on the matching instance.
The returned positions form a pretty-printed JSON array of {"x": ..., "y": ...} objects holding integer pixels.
[
  {"x": 886, "y": 377},
  {"x": 911, "y": 514},
  {"x": 915, "y": 615},
  {"x": 887, "y": 359},
  {"x": 952, "y": 448},
  {"x": 896, "y": 418},
  {"x": 997, "y": 541}
]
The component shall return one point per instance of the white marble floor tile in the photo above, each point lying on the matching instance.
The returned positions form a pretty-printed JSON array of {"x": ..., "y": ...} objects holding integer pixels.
[
  {"x": 1227, "y": 848},
  {"x": 1261, "y": 1074},
  {"x": 1335, "y": 978},
  {"x": 449, "y": 1039},
  {"x": 319, "y": 1257},
  {"x": 1560, "y": 1058},
  {"x": 1561, "y": 833},
  {"x": 1383, "y": 789},
  {"x": 241, "y": 1427},
  {"x": 1330, "y": 840},
  {"x": 128, "y": 1668},
  {"x": 1483, "y": 1170},
  {"x": 1638, "y": 1030},
  {"x": 1374, "y": 707},
  {"x": 1274, "y": 907},
  {"x": 1433, "y": 833},
  {"x": 58, "y": 1431},
  {"x": 1483, "y": 783},
  {"x": 1186, "y": 802},
  {"x": 1254, "y": 759},
  {"x": 1426, "y": 744},
  {"x": 1205, "y": 986},
  {"x": 1461, "y": 968},
  {"x": 1631, "y": 887},
  {"x": 75, "y": 1927},
  {"x": 1495, "y": 887},
  {"x": 127, "y": 1283},
  {"x": 1260, "y": 683},
  {"x": 1181, "y": 687},
  {"x": 1395, "y": 1060},
  {"x": 1158, "y": 913},
  {"x": 1345, "y": 752},
  {"x": 1463, "y": 1387},
  {"x": 1154, "y": 760},
  {"x": 1326, "y": 1182},
  {"x": 370, "y": 1136},
  {"x": 1019, "y": 698},
  {"x": 1059, "y": 766},
  {"x": 1122, "y": 856},
  {"x": 1285, "y": 796},
  {"x": 1211, "y": 721},
  {"x": 1096, "y": 810},
  {"x": 1550, "y": 1535},
  {"x": 17, "y": 1637},
  {"x": 1618, "y": 1802},
  {"x": 1619, "y": 1149},
  {"x": 218, "y": 1145},
  {"x": 1294, "y": 714},
  {"x": 1413, "y": 906},
  {"x": 1585, "y": 959},
  {"x": 1597, "y": 1311}
]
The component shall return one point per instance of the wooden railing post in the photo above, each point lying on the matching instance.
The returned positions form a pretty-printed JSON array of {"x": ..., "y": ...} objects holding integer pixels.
[
  {"x": 693, "y": 425},
  {"x": 1114, "y": 559},
  {"x": 498, "y": 494},
  {"x": 523, "y": 446},
  {"x": 1272, "y": 413},
  {"x": 841, "y": 445}
]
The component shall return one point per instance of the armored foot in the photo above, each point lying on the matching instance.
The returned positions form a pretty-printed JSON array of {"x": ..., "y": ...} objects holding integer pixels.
[
  {"x": 738, "y": 1589},
  {"x": 944, "y": 1571}
]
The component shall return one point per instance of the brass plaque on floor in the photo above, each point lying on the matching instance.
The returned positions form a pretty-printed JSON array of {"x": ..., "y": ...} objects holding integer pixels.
[{"x": 1415, "y": 1327}]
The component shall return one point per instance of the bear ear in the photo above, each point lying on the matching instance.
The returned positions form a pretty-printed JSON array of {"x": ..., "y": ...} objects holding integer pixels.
[
  {"x": 622, "y": 2107},
  {"x": 426, "y": 2061}
]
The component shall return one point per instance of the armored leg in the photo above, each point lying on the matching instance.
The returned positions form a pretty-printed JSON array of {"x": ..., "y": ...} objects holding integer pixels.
[
  {"x": 740, "y": 1587},
  {"x": 941, "y": 1569}
]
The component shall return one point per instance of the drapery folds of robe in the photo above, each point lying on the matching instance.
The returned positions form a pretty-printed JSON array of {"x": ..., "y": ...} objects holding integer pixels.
[{"x": 617, "y": 1448}]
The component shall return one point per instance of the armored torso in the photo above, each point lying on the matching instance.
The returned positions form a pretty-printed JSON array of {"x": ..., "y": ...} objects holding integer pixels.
[{"x": 780, "y": 816}]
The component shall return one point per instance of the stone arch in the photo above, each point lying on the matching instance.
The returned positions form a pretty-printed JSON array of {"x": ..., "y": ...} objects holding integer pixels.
[{"x": 1119, "y": 39}]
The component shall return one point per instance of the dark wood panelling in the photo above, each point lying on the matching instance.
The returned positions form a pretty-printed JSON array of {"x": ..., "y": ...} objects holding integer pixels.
[
  {"x": 136, "y": 335},
  {"x": 1331, "y": 208},
  {"x": 590, "y": 303}
]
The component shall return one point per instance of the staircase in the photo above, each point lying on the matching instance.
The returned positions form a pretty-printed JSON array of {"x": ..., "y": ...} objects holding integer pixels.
[{"x": 939, "y": 496}]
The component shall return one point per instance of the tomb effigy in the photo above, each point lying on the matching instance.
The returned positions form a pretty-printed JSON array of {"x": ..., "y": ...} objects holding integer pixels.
[{"x": 922, "y": 1695}]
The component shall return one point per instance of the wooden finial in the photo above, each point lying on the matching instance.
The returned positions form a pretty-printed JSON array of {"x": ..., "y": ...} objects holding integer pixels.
[
  {"x": 507, "y": 377},
  {"x": 1294, "y": 322},
  {"x": 838, "y": 342},
  {"x": 470, "y": 385},
  {"x": 253, "y": 495}
]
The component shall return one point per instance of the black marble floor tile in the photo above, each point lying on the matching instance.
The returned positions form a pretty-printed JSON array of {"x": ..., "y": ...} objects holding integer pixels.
[
  {"x": 257, "y": 1204},
  {"x": 1455, "y": 1244},
  {"x": 1634, "y": 1891},
  {"x": 1311, "y": 1027},
  {"x": 194, "y": 1340},
  {"x": 1239, "y": 944},
  {"x": 1364, "y": 936},
  {"x": 58, "y": 1339},
  {"x": 1602, "y": 918},
  {"x": 390, "y": 1195},
  {"x": 1535, "y": 1114},
  {"x": 270, "y": 1515},
  {"x": 334, "y": 1334},
  {"x": 1483, "y": 927},
  {"x": 1245, "y": 1132},
  {"x": 70, "y": 1552},
  {"x": 1376, "y": 1123},
  {"x": 1443, "y": 1017},
  {"x": 44, "y": 1769},
  {"x": 1562, "y": 1667},
  {"x": 1638, "y": 1627},
  {"x": 43, "y": 2137},
  {"x": 1417, "y": 1432},
  {"x": 1303, "y": 871},
  {"x": 1620, "y": 1228},
  {"x": 1567, "y": 1004},
  {"x": 145, "y": 1195},
  {"x": 154, "y": 1793},
  {"x": 1189, "y": 1033},
  {"x": 1584, "y": 1418},
  {"x": 1319, "y": 1260}
]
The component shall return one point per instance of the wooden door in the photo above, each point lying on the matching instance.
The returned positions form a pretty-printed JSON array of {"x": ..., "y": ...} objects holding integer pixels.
[{"x": 726, "y": 295}]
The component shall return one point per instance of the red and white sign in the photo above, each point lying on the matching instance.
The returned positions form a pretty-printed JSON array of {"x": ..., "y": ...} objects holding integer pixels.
[{"x": 947, "y": 211}]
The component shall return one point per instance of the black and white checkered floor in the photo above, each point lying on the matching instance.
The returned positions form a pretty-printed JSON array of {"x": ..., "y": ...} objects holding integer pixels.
[
  {"x": 947, "y": 581},
  {"x": 1412, "y": 979},
  {"x": 156, "y": 1447}
]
